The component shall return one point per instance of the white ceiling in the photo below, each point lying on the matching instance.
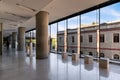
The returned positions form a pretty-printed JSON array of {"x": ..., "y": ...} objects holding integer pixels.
[{"x": 13, "y": 16}]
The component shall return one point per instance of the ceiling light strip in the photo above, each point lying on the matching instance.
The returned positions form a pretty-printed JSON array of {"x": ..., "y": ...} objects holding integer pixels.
[{"x": 25, "y": 7}]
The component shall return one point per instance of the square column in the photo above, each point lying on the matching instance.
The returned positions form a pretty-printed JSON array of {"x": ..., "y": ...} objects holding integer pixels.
[{"x": 42, "y": 45}]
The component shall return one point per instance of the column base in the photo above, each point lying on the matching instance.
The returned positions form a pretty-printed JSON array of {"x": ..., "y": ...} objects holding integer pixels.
[{"x": 41, "y": 57}]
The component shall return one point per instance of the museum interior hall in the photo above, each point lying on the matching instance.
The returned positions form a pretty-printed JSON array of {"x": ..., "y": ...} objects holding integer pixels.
[{"x": 59, "y": 39}]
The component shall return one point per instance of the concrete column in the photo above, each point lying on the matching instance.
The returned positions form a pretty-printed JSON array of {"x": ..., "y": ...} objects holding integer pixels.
[
  {"x": 98, "y": 43},
  {"x": 1, "y": 39},
  {"x": 42, "y": 45},
  {"x": 65, "y": 41},
  {"x": 14, "y": 40},
  {"x": 21, "y": 39},
  {"x": 78, "y": 40}
]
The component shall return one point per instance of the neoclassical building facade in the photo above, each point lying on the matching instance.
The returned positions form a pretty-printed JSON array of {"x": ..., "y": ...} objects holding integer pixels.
[{"x": 97, "y": 40}]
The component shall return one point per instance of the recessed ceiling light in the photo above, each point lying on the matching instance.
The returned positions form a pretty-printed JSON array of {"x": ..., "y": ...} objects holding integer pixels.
[{"x": 25, "y": 7}]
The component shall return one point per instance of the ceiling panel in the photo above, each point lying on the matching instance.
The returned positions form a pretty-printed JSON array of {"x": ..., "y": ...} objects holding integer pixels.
[
  {"x": 13, "y": 15},
  {"x": 60, "y": 8}
]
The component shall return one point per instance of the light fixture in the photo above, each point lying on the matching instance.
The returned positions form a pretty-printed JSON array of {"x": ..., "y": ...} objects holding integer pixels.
[{"x": 25, "y": 7}]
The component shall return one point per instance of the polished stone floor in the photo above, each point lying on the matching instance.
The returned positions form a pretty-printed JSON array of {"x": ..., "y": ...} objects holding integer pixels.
[{"x": 16, "y": 65}]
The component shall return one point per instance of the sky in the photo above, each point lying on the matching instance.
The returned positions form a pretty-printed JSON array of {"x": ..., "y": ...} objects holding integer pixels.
[
  {"x": 110, "y": 13},
  {"x": 107, "y": 14}
]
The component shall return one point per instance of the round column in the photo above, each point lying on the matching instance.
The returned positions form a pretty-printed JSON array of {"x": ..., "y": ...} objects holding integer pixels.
[
  {"x": 21, "y": 39},
  {"x": 14, "y": 39},
  {"x": 42, "y": 45}
]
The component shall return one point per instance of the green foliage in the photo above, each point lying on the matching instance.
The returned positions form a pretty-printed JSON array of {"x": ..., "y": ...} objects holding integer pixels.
[
  {"x": 54, "y": 43},
  {"x": 33, "y": 41}
]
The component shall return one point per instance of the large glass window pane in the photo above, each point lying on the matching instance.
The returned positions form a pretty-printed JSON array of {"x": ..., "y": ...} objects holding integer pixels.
[
  {"x": 90, "y": 33},
  {"x": 72, "y": 34},
  {"x": 110, "y": 28},
  {"x": 90, "y": 42},
  {"x": 53, "y": 46},
  {"x": 61, "y": 36},
  {"x": 72, "y": 45},
  {"x": 54, "y": 37}
]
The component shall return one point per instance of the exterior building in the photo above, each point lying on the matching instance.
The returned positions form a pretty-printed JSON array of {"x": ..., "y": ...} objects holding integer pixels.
[{"x": 93, "y": 40}]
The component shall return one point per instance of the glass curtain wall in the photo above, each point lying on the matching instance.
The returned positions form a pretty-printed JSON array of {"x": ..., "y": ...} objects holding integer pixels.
[
  {"x": 96, "y": 40},
  {"x": 110, "y": 32}
]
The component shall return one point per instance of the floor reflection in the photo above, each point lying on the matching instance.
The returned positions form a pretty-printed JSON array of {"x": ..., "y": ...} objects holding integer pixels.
[
  {"x": 104, "y": 72},
  {"x": 31, "y": 61},
  {"x": 88, "y": 67},
  {"x": 64, "y": 60},
  {"x": 75, "y": 63},
  {"x": 18, "y": 66}
]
